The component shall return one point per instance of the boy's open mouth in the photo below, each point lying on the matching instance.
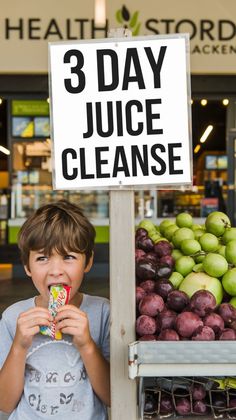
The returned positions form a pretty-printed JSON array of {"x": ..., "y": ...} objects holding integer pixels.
[{"x": 56, "y": 284}]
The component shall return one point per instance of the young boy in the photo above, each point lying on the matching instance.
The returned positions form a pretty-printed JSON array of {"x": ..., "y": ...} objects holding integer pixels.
[{"x": 42, "y": 378}]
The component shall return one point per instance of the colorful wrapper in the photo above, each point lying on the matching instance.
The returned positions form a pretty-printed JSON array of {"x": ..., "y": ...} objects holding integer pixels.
[{"x": 59, "y": 296}]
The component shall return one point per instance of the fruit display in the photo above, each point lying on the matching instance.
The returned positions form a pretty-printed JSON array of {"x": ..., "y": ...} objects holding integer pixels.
[
  {"x": 190, "y": 398},
  {"x": 186, "y": 279}
]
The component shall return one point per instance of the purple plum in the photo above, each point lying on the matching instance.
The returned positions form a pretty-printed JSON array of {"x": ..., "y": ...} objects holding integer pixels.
[
  {"x": 187, "y": 323},
  {"x": 177, "y": 300},
  {"x": 202, "y": 302},
  {"x": 200, "y": 407},
  {"x": 166, "y": 404},
  {"x": 198, "y": 391},
  {"x": 148, "y": 337},
  {"x": 214, "y": 321},
  {"x": 148, "y": 286},
  {"x": 163, "y": 287},
  {"x": 167, "y": 319},
  {"x": 183, "y": 406},
  {"x": 145, "y": 269},
  {"x": 227, "y": 312},
  {"x": 162, "y": 248},
  {"x": 151, "y": 305},
  {"x": 145, "y": 325},
  {"x": 168, "y": 335},
  {"x": 145, "y": 243},
  {"x": 140, "y": 293},
  {"x": 227, "y": 334},
  {"x": 203, "y": 333},
  {"x": 139, "y": 254}
]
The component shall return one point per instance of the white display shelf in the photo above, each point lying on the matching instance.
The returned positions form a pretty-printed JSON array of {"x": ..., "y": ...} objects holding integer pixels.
[{"x": 182, "y": 358}]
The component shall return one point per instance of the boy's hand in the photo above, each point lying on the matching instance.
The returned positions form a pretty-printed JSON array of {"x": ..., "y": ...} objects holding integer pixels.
[
  {"x": 28, "y": 325},
  {"x": 71, "y": 320}
]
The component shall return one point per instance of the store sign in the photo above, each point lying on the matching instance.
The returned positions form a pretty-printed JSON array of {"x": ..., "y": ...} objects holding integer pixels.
[
  {"x": 209, "y": 205},
  {"x": 27, "y": 26},
  {"x": 120, "y": 112},
  {"x": 29, "y": 107},
  {"x": 211, "y": 26}
]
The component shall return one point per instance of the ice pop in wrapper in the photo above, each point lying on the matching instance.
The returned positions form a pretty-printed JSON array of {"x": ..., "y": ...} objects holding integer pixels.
[{"x": 59, "y": 296}]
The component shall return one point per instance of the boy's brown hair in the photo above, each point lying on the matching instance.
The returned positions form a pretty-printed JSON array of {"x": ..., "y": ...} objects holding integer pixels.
[{"x": 59, "y": 226}]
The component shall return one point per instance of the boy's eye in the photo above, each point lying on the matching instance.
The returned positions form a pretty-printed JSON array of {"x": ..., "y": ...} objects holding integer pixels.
[
  {"x": 69, "y": 257},
  {"x": 42, "y": 258}
]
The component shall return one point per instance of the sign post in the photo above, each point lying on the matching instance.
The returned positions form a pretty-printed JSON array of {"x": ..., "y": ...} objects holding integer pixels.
[
  {"x": 120, "y": 121},
  {"x": 122, "y": 295},
  {"x": 122, "y": 289}
]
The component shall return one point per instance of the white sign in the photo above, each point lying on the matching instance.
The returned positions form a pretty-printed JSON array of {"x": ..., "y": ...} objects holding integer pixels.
[{"x": 120, "y": 112}]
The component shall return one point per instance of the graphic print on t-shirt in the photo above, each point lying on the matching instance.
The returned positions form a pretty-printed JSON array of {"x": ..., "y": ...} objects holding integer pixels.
[{"x": 54, "y": 391}]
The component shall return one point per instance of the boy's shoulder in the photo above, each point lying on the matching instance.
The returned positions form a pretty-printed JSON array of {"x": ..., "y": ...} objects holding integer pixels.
[
  {"x": 91, "y": 302},
  {"x": 16, "y": 308},
  {"x": 95, "y": 305},
  {"x": 98, "y": 300}
]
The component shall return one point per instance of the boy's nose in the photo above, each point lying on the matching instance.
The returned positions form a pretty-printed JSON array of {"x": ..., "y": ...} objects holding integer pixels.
[{"x": 56, "y": 269}]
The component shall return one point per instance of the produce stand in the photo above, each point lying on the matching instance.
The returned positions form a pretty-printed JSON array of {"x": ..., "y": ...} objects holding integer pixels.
[
  {"x": 156, "y": 385},
  {"x": 181, "y": 359}
]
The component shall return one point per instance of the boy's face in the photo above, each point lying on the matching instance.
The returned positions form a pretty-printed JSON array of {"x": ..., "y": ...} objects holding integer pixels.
[{"x": 57, "y": 269}]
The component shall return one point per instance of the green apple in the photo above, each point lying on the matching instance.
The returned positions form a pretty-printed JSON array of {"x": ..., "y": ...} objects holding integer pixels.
[
  {"x": 180, "y": 235},
  {"x": 161, "y": 238},
  {"x": 175, "y": 278},
  {"x": 147, "y": 224},
  {"x": 233, "y": 301},
  {"x": 229, "y": 234},
  {"x": 221, "y": 250},
  {"x": 198, "y": 268},
  {"x": 152, "y": 232},
  {"x": 201, "y": 281},
  {"x": 230, "y": 252},
  {"x": 216, "y": 223},
  {"x": 198, "y": 233},
  {"x": 229, "y": 282},
  {"x": 169, "y": 231},
  {"x": 163, "y": 225},
  {"x": 196, "y": 226},
  {"x": 184, "y": 220},
  {"x": 199, "y": 258},
  {"x": 190, "y": 246},
  {"x": 184, "y": 265},
  {"x": 209, "y": 242},
  {"x": 176, "y": 253},
  {"x": 215, "y": 265},
  {"x": 154, "y": 237}
]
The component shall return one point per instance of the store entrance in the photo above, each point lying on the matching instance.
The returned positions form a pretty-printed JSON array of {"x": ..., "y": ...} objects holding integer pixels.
[
  {"x": 210, "y": 175},
  {"x": 210, "y": 125},
  {"x": 4, "y": 176},
  {"x": 28, "y": 171},
  {"x": 231, "y": 202}
]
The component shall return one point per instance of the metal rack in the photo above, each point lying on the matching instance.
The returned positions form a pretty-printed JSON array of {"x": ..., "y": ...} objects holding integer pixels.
[
  {"x": 182, "y": 358},
  {"x": 176, "y": 387},
  {"x": 179, "y": 359}
]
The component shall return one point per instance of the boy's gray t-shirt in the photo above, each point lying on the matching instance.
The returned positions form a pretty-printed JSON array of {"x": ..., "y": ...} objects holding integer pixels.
[{"x": 56, "y": 382}]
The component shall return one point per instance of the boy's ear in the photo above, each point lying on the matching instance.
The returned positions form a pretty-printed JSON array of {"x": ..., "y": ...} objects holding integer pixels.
[
  {"x": 90, "y": 263},
  {"x": 27, "y": 271}
]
